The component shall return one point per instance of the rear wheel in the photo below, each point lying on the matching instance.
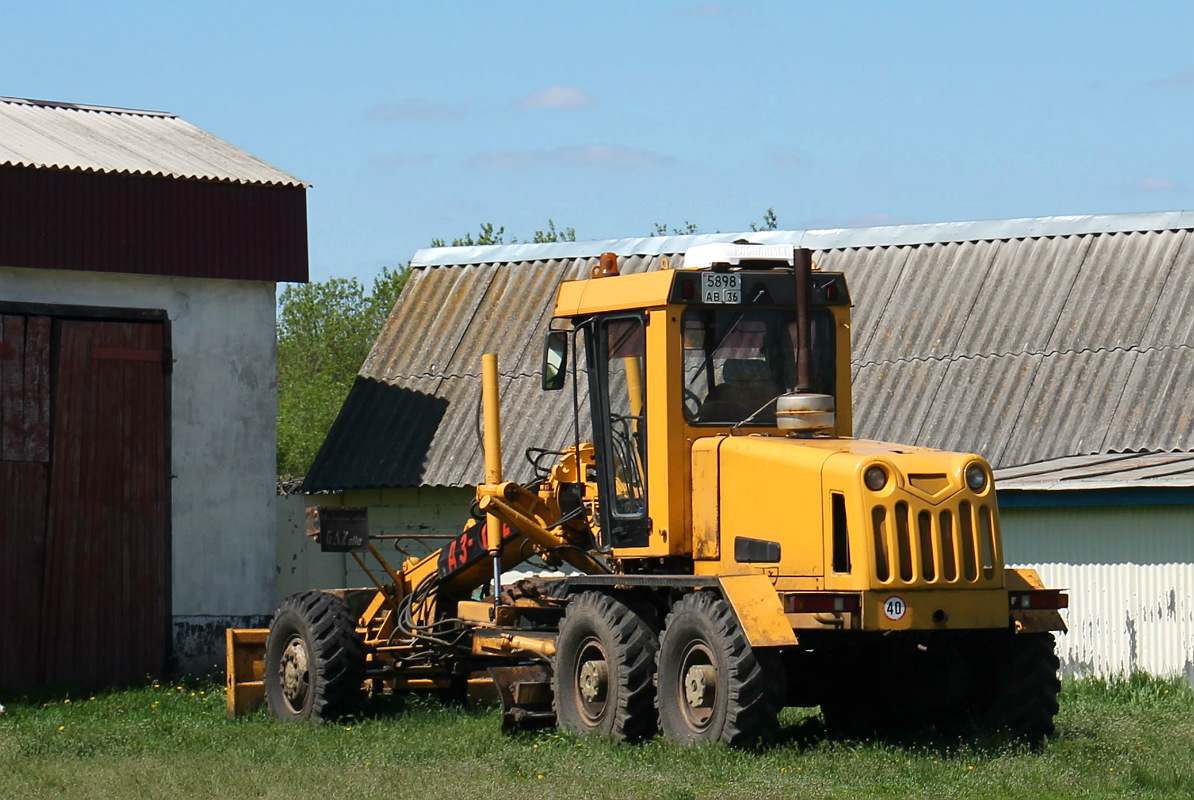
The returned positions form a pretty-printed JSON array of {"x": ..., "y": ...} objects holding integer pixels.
[
  {"x": 314, "y": 658},
  {"x": 603, "y": 669},
  {"x": 713, "y": 687}
]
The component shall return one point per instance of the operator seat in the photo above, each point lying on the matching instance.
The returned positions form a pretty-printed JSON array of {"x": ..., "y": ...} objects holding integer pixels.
[{"x": 746, "y": 385}]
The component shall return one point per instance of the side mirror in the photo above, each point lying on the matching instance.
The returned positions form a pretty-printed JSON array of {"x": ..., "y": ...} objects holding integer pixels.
[{"x": 555, "y": 360}]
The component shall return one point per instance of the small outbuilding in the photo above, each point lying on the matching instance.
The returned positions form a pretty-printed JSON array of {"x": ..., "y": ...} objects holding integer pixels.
[
  {"x": 1029, "y": 341},
  {"x": 139, "y": 257}
]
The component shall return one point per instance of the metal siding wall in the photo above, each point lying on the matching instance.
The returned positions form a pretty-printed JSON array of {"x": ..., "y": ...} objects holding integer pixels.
[{"x": 1130, "y": 576}]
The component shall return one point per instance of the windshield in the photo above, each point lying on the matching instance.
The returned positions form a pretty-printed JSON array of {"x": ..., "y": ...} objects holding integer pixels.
[{"x": 736, "y": 362}]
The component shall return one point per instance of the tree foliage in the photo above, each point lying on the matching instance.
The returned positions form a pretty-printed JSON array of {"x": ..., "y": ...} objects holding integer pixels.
[
  {"x": 770, "y": 222},
  {"x": 661, "y": 229},
  {"x": 487, "y": 235},
  {"x": 553, "y": 235},
  {"x": 325, "y": 330}
]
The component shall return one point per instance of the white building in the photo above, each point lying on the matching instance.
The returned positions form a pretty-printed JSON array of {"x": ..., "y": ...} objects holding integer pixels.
[{"x": 139, "y": 258}]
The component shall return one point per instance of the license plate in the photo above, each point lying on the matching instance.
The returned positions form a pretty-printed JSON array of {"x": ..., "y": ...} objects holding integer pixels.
[{"x": 721, "y": 287}]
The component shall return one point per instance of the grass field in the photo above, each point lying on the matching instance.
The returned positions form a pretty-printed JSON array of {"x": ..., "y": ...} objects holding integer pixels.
[{"x": 1130, "y": 739}]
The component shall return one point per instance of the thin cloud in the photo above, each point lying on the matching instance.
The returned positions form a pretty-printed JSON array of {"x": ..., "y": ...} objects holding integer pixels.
[
  {"x": 557, "y": 96},
  {"x": 786, "y": 159},
  {"x": 413, "y": 110},
  {"x": 593, "y": 155},
  {"x": 388, "y": 161},
  {"x": 706, "y": 10},
  {"x": 1183, "y": 78},
  {"x": 1153, "y": 184}
]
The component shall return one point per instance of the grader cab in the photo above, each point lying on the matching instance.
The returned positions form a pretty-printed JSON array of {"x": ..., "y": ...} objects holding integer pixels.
[{"x": 731, "y": 549}]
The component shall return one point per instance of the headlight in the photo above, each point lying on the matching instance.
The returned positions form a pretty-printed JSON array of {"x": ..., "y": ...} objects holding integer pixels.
[
  {"x": 976, "y": 478},
  {"x": 875, "y": 478}
]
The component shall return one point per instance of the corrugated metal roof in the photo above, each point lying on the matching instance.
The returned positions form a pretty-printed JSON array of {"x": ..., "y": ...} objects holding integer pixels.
[
  {"x": 1103, "y": 471},
  {"x": 1023, "y": 340},
  {"x": 49, "y": 135}
]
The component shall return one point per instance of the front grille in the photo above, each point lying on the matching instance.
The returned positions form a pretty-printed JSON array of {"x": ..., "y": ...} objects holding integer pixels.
[{"x": 919, "y": 544}]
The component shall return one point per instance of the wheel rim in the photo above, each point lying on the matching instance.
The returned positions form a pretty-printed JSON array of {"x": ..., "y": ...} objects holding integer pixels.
[
  {"x": 697, "y": 685},
  {"x": 590, "y": 684},
  {"x": 294, "y": 674}
]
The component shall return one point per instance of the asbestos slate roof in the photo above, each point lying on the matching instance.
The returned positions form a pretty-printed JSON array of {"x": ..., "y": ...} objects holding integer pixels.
[
  {"x": 49, "y": 135},
  {"x": 1104, "y": 471},
  {"x": 1023, "y": 340}
]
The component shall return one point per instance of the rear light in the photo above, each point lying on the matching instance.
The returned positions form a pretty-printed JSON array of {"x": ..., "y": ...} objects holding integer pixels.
[
  {"x": 687, "y": 289},
  {"x": 821, "y": 603},
  {"x": 1038, "y": 601}
]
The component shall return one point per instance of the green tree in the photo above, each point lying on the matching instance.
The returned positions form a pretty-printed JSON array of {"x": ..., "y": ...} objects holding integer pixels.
[
  {"x": 325, "y": 330},
  {"x": 553, "y": 235},
  {"x": 770, "y": 222},
  {"x": 661, "y": 229},
  {"x": 487, "y": 235}
]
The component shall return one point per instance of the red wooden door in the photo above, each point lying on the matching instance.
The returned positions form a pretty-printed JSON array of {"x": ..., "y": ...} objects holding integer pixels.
[
  {"x": 24, "y": 483},
  {"x": 91, "y": 567}
]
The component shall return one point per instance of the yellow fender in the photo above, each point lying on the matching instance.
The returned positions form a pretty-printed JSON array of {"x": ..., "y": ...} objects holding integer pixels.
[{"x": 759, "y": 610}]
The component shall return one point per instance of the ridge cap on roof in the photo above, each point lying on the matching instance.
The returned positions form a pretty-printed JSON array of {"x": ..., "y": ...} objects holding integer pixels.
[
  {"x": 138, "y": 112},
  {"x": 819, "y": 239}
]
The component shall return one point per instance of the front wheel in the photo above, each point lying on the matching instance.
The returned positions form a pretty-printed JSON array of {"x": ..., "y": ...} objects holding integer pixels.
[
  {"x": 1024, "y": 700},
  {"x": 314, "y": 658},
  {"x": 713, "y": 686},
  {"x": 602, "y": 679}
]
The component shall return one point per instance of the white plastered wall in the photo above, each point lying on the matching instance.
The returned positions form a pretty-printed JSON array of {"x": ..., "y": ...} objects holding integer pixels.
[{"x": 223, "y": 432}]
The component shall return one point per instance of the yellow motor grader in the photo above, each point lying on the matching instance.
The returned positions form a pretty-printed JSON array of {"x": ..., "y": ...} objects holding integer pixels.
[{"x": 728, "y": 548}]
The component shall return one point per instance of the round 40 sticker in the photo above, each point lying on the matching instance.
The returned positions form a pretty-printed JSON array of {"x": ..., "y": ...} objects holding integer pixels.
[{"x": 894, "y": 608}]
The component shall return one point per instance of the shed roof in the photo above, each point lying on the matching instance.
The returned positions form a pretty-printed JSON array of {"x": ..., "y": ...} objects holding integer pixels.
[
  {"x": 1023, "y": 340},
  {"x": 92, "y": 189},
  {"x": 67, "y": 136},
  {"x": 1102, "y": 471}
]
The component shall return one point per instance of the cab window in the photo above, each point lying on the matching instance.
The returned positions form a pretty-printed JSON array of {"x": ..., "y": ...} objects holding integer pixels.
[{"x": 737, "y": 362}]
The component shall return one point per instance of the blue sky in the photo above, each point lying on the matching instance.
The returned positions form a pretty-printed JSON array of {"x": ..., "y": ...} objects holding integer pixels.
[{"x": 422, "y": 120}]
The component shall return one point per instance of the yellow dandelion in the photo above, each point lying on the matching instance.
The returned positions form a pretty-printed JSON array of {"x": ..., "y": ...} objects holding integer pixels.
[
  {"x": 535, "y": 746},
  {"x": 969, "y": 767},
  {"x": 67, "y": 700},
  {"x": 90, "y": 698},
  {"x": 539, "y": 776},
  {"x": 61, "y": 727},
  {"x": 348, "y": 728}
]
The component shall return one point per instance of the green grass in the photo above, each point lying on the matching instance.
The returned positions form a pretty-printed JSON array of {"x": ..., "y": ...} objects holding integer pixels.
[{"x": 1128, "y": 739}]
